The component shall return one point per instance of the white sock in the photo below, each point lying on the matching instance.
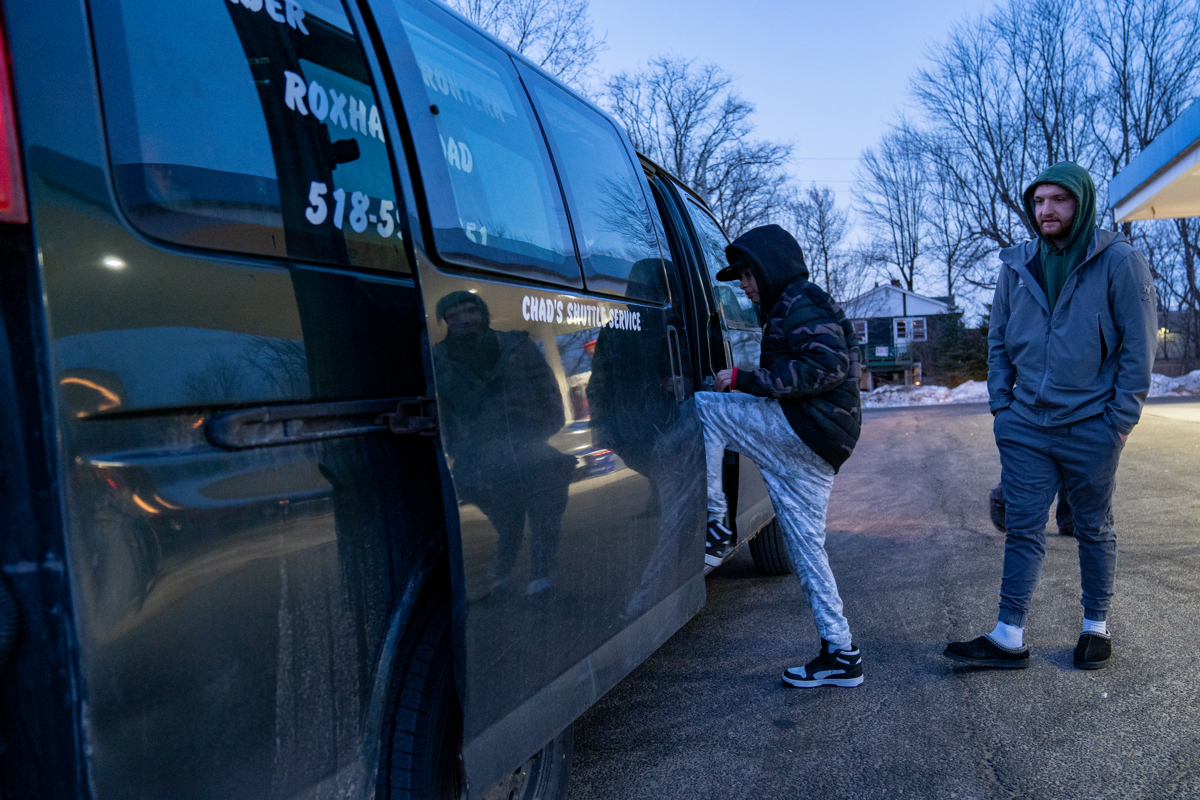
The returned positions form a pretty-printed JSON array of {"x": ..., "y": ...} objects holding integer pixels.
[
  {"x": 1095, "y": 626},
  {"x": 834, "y": 647},
  {"x": 1009, "y": 635}
]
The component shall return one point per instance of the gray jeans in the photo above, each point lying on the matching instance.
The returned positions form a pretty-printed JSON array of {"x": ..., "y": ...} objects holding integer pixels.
[
  {"x": 1035, "y": 462},
  {"x": 798, "y": 480}
]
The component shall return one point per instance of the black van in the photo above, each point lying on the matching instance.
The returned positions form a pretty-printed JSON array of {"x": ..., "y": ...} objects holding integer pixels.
[{"x": 344, "y": 372}]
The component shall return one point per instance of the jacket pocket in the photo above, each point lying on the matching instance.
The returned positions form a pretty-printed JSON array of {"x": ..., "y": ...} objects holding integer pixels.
[{"x": 1109, "y": 341}]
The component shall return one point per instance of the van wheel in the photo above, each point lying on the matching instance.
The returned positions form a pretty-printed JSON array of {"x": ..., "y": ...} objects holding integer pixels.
[
  {"x": 543, "y": 777},
  {"x": 420, "y": 749},
  {"x": 769, "y": 552}
]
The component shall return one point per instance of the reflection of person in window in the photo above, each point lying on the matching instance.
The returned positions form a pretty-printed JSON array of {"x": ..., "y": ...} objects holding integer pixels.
[
  {"x": 636, "y": 413},
  {"x": 500, "y": 403},
  {"x": 629, "y": 392}
]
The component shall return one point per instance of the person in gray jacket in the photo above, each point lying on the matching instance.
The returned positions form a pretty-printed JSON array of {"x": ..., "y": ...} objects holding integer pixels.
[{"x": 1070, "y": 349}]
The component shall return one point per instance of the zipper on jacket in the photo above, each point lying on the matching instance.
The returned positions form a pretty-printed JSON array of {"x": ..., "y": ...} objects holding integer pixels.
[{"x": 1045, "y": 365}]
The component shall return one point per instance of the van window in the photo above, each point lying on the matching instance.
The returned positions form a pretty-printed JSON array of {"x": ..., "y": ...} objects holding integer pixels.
[
  {"x": 503, "y": 208},
  {"x": 739, "y": 311},
  {"x": 613, "y": 228},
  {"x": 249, "y": 126}
]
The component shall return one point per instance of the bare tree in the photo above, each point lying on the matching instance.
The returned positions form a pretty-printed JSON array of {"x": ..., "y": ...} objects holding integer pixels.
[
  {"x": 1006, "y": 96},
  {"x": 1028, "y": 84},
  {"x": 821, "y": 228},
  {"x": 556, "y": 35},
  {"x": 892, "y": 195},
  {"x": 1053, "y": 71},
  {"x": 687, "y": 116},
  {"x": 954, "y": 242}
]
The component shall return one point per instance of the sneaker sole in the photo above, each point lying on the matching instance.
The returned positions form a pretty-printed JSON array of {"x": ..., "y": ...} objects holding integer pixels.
[
  {"x": 1091, "y": 664},
  {"x": 989, "y": 662},
  {"x": 713, "y": 561},
  {"x": 803, "y": 684}
]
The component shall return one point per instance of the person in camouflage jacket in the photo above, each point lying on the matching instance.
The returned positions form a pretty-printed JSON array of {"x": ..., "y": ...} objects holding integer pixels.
[
  {"x": 810, "y": 362},
  {"x": 797, "y": 416}
]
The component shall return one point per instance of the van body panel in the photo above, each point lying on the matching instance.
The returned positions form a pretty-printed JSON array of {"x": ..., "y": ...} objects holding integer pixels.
[
  {"x": 577, "y": 519},
  {"x": 576, "y": 463},
  {"x": 221, "y": 618},
  {"x": 231, "y": 607}
]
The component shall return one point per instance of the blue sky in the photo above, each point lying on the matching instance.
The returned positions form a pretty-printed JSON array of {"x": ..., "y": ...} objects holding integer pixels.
[{"x": 826, "y": 76}]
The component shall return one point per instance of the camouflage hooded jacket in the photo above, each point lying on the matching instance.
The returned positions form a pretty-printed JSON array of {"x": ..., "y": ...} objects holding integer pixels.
[{"x": 809, "y": 362}]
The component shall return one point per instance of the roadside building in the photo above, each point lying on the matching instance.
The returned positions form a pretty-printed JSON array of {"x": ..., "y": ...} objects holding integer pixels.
[
  {"x": 1163, "y": 182},
  {"x": 898, "y": 330}
]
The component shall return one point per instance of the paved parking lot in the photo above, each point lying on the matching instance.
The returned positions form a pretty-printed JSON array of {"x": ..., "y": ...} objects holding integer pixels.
[{"x": 919, "y": 564}]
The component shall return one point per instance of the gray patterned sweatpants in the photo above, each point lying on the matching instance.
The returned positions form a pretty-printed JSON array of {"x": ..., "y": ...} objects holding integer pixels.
[{"x": 798, "y": 480}]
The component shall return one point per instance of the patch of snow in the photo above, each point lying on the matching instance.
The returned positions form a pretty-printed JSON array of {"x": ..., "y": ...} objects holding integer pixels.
[
  {"x": 1184, "y": 386},
  {"x": 969, "y": 392},
  {"x": 976, "y": 392}
]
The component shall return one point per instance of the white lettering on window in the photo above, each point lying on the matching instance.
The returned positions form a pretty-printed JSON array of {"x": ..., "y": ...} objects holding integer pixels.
[
  {"x": 438, "y": 81},
  {"x": 338, "y": 113},
  {"x": 360, "y": 119},
  {"x": 295, "y": 16},
  {"x": 289, "y": 13},
  {"x": 374, "y": 126},
  {"x": 318, "y": 101},
  {"x": 358, "y": 116},
  {"x": 457, "y": 155},
  {"x": 293, "y": 92}
]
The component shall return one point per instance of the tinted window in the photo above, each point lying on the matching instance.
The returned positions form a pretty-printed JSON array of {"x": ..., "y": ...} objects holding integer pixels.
[
  {"x": 505, "y": 209},
  {"x": 739, "y": 311},
  {"x": 249, "y": 126},
  {"x": 613, "y": 228}
]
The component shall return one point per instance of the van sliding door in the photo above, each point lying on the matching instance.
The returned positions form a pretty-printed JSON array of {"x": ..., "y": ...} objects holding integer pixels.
[
  {"x": 743, "y": 335},
  {"x": 560, "y": 367}
]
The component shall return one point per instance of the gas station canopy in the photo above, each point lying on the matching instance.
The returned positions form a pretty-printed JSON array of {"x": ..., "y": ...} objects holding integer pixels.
[{"x": 1163, "y": 182}]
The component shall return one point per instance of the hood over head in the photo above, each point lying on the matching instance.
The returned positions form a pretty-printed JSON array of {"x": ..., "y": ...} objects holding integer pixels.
[
  {"x": 773, "y": 255},
  {"x": 1078, "y": 182},
  {"x": 1075, "y": 180},
  {"x": 1058, "y": 264}
]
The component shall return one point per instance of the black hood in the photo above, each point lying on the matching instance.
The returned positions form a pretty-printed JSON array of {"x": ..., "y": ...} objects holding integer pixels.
[{"x": 774, "y": 256}]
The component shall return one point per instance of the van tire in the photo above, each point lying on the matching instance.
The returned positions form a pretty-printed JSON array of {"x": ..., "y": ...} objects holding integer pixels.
[
  {"x": 769, "y": 551},
  {"x": 421, "y": 743},
  {"x": 422, "y": 729}
]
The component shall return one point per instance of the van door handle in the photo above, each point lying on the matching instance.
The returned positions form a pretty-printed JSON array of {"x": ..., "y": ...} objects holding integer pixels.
[{"x": 308, "y": 422}]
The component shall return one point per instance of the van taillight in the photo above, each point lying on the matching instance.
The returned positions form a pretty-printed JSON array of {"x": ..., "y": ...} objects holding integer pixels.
[{"x": 12, "y": 183}]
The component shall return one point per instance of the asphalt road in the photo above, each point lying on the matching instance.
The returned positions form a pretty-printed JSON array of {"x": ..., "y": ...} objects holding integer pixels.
[{"x": 918, "y": 564}]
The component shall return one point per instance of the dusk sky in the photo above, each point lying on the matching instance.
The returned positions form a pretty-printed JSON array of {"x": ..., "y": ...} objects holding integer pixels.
[{"x": 828, "y": 77}]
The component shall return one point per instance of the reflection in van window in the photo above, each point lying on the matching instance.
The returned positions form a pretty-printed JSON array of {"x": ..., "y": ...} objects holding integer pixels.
[
  {"x": 507, "y": 209},
  {"x": 232, "y": 130},
  {"x": 739, "y": 311},
  {"x": 608, "y": 208}
]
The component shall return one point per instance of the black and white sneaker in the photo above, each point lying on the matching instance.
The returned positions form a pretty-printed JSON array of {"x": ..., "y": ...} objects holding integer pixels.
[
  {"x": 839, "y": 668},
  {"x": 716, "y": 543}
]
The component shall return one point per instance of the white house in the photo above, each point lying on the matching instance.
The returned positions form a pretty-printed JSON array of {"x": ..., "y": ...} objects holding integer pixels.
[{"x": 906, "y": 311}]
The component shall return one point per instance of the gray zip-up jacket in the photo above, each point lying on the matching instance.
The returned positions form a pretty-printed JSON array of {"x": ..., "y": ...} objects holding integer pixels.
[{"x": 1093, "y": 355}]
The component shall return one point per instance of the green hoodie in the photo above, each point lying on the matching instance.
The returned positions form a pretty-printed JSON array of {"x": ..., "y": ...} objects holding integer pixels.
[{"x": 1057, "y": 265}]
